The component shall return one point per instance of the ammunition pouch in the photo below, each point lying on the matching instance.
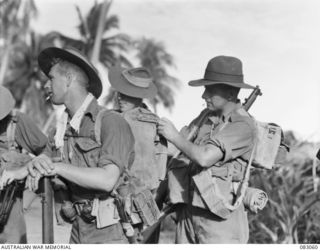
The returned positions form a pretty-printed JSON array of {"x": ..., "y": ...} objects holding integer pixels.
[
  {"x": 144, "y": 209},
  {"x": 82, "y": 208}
]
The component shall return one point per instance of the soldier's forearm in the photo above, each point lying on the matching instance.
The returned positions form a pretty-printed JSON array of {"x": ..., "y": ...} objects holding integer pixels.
[
  {"x": 92, "y": 178},
  {"x": 205, "y": 156},
  {"x": 23, "y": 173}
]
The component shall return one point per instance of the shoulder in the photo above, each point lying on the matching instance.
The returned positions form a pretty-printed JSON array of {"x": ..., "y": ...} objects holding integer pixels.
[
  {"x": 243, "y": 119},
  {"x": 111, "y": 120},
  {"x": 141, "y": 114},
  {"x": 110, "y": 116},
  {"x": 25, "y": 123},
  {"x": 22, "y": 118},
  {"x": 113, "y": 126}
]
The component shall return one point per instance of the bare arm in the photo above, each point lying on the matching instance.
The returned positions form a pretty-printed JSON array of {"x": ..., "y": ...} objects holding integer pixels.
[
  {"x": 100, "y": 178},
  {"x": 92, "y": 178},
  {"x": 205, "y": 156}
]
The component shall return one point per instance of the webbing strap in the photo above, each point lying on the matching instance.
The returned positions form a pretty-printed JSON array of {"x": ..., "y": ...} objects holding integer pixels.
[
  {"x": 11, "y": 130},
  {"x": 243, "y": 185},
  {"x": 97, "y": 125}
]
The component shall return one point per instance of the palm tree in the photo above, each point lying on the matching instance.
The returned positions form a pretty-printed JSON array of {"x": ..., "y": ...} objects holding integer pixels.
[
  {"x": 14, "y": 28},
  {"x": 113, "y": 47},
  {"x": 152, "y": 55},
  {"x": 28, "y": 79},
  {"x": 19, "y": 66}
]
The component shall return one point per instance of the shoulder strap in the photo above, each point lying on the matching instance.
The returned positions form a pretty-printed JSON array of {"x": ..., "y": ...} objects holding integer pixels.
[
  {"x": 11, "y": 131},
  {"x": 244, "y": 184},
  {"x": 97, "y": 125}
]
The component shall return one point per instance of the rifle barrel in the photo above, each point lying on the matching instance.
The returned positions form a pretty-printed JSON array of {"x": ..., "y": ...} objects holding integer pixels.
[{"x": 47, "y": 212}]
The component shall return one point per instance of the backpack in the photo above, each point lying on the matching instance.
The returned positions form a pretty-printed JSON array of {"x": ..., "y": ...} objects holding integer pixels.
[
  {"x": 269, "y": 145},
  {"x": 139, "y": 205}
]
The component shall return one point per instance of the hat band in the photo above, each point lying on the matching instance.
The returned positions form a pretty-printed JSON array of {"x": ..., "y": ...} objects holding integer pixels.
[
  {"x": 136, "y": 81},
  {"x": 217, "y": 76}
]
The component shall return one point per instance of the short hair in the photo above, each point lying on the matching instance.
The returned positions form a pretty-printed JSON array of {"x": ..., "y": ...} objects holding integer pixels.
[
  {"x": 64, "y": 67},
  {"x": 231, "y": 89},
  {"x": 226, "y": 89}
]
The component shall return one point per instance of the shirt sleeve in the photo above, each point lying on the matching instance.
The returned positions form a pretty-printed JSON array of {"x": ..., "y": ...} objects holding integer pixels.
[
  {"x": 29, "y": 136},
  {"x": 117, "y": 142},
  {"x": 234, "y": 140}
]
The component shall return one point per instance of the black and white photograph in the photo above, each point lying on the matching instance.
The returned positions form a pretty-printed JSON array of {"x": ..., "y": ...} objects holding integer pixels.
[{"x": 159, "y": 122}]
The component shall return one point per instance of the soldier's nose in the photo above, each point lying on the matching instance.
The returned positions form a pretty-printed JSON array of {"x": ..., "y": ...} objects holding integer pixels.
[{"x": 47, "y": 84}]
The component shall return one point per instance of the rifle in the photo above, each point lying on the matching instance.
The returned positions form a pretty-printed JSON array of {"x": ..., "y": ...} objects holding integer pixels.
[
  {"x": 47, "y": 211},
  {"x": 7, "y": 200},
  {"x": 253, "y": 96},
  {"x": 193, "y": 131}
]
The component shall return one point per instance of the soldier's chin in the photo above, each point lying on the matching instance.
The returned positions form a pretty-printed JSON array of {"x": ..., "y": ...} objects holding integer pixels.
[
  {"x": 55, "y": 102},
  {"x": 210, "y": 106}
]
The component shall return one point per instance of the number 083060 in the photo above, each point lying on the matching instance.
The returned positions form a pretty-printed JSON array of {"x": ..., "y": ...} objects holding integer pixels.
[{"x": 309, "y": 246}]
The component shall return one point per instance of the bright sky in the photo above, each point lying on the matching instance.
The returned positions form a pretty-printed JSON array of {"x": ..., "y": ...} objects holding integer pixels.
[{"x": 277, "y": 41}]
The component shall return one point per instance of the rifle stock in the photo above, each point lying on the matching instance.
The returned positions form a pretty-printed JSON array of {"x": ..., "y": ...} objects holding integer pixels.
[{"x": 253, "y": 96}]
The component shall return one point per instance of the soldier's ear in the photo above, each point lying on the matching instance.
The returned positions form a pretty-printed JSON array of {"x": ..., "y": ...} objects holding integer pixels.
[
  {"x": 229, "y": 96},
  {"x": 69, "y": 77},
  {"x": 232, "y": 95}
]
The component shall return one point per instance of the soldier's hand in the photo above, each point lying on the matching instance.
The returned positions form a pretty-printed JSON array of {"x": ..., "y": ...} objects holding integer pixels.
[
  {"x": 5, "y": 179},
  {"x": 167, "y": 129},
  {"x": 32, "y": 183},
  {"x": 10, "y": 175},
  {"x": 42, "y": 164}
]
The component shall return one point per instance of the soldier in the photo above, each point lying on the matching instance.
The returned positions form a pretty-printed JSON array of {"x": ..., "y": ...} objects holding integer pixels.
[
  {"x": 149, "y": 166},
  {"x": 17, "y": 133},
  {"x": 132, "y": 86},
  {"x": 91, "y": 164},
  {"x": 218, "y": 158}
]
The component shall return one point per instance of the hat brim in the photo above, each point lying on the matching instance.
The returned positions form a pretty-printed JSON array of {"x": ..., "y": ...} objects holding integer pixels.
[
  {"x": 7, "y": 102},
  {"x": 205, "y": 82},
  {"x": 122, "y": 85},
  {"x": 45, "y": 63}
]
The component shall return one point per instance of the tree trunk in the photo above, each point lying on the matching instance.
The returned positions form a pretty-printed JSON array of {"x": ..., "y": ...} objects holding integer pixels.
[
  {"x": 98, "y": 38},
  {"x": 4, "y": 63}
]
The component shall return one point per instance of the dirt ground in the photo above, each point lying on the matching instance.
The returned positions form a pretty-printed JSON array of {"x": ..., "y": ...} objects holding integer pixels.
[{"x": 61, "y": 233}]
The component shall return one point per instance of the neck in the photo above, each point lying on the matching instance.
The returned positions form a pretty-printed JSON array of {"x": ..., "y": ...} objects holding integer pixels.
[
  {"x": 74, "y": 102},
  {"x": 228, "y": 108}
]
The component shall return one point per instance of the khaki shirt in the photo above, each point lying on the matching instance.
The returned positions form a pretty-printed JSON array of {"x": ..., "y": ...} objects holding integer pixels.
[
  {"x": 82, "y": 150},
  {"x": 234, "y": 135}
]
